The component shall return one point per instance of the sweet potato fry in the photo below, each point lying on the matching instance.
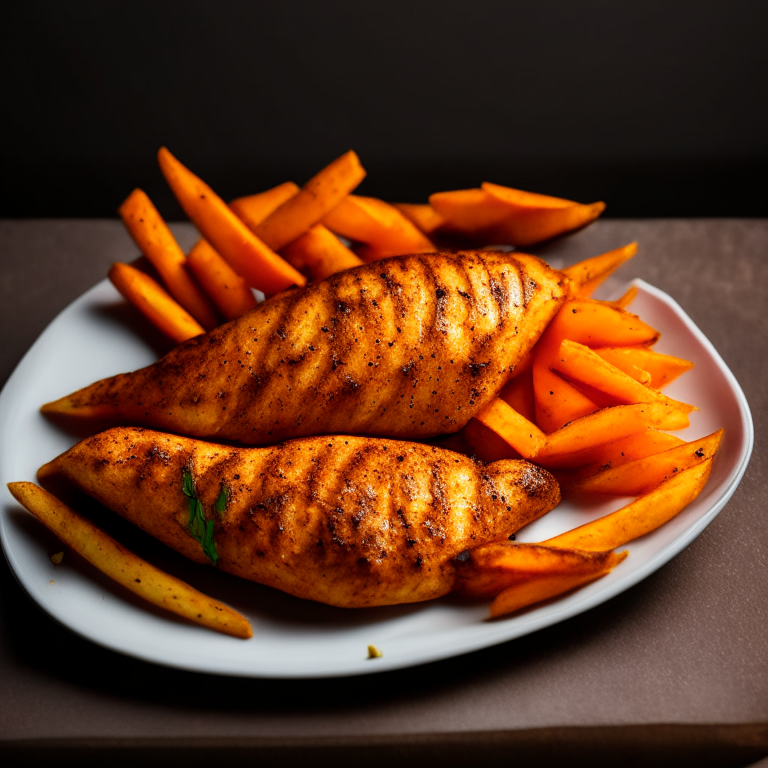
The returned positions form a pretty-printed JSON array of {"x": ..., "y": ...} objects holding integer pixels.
[
  {"x": 320, "y": 195},
  {"x": 116, "y": 562},
  {"x": 484, "y": 443},
  {"x": 614, "y": 453},
  {"x": 470, "y": 212},
  {"x": 492, "y": 568},
  {"x": 525, "y": 365},
  {"x": 642, "y": 475},
  {"x": 501, "y": 215},
  {"x": 588, "y": 274},
  {"x": 228, "y": 290},
  {"x": 580, "y": 364},
  {"x": 253, "y": 209},
  {"x": 598, "y": 428},
  {"x": 540, "y": 588},
  {"x": 661, "y": 368},
  {"x": 626, "y": 298},
  {"x": 638, "y": 374},
  {"x": 518, "y": 392},
  {"x": 534, "y": 218},
  {"x": 154, "y": 303},
  {"x": 557, "y": 402},
  {"x": 319, "y": 253},
  {"x": 523, "y": 435},
  {"x": 150, "y": 232},
  {"x": 592, "y": 322},
  {"x": 381, "y": 227},
  {"x": 602, "y": 427},
  {"x": 585, "y": 321},
  {"x": 642, "y": 516},
  {"x": 261, "y": 267},
  {"x": 423, "y": 215}
]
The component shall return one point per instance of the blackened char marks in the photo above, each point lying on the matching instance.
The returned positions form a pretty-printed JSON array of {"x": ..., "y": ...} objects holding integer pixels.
[
  {"x": 440, "y": 322},
  {"x": 475, "y": 369},
  {"x": 440, "y": 519},
  {"x": 500, "y": 295},
  {"x": 530, "y": 286}
]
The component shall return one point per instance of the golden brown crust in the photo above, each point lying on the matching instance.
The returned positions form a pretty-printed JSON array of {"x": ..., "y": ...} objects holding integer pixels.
[
  {"x": 347, "y": 521},
  {"x": 411, "y": 346}
]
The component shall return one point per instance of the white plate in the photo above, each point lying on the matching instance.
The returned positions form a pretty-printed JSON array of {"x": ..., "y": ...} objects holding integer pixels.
[{"x": 295, "y": 638}]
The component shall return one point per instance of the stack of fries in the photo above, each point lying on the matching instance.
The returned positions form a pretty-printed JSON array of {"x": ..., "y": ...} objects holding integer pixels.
[{"x": 288, "y": 235}]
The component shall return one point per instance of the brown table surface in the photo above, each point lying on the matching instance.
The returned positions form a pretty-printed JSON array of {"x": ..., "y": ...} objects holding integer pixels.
[{"x": 675, "y": 670}]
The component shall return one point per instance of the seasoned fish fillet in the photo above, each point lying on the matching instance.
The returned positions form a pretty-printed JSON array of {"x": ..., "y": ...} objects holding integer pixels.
[
  {"x": 411, "y": 346},
  {"x": 347, "y": 521}
]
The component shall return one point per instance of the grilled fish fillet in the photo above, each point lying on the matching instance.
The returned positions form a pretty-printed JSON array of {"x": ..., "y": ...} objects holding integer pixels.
[
  {"x": 411, "y": 346},
  {"x": 347, "y": 521}
]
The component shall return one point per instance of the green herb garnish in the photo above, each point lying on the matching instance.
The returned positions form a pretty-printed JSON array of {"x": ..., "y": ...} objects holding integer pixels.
[
  {"x": 200, "y": 528},
  {"x": 220, "y": 505}
]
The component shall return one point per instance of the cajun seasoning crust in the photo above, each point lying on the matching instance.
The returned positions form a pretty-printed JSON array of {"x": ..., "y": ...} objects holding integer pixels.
[
  {"x": 410, "y": 346},
  {"x": 343, "y": 520}
]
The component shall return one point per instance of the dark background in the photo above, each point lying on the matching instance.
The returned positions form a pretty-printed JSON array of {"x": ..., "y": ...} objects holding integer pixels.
[{"x": 659, "y": 108}]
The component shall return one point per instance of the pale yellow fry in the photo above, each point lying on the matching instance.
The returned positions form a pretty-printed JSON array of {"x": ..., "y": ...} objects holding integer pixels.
[
  {"x": 112, "y": 559},
  {"x": 641, "y": 516}
]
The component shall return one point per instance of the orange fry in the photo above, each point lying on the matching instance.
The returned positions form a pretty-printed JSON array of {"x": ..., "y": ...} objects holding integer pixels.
[
  {"x": 592, "y": 322},
  {"x": 253, "y": 209},
  {"x": 557, "y": 402},
  {"x": 642, "y": 516},
  {"x": 424, "y": 216},
  {"x": 320, "y": 195},
  {"x": 228, "y": 235},
  {"x": 381, "y": 227},
  {"x": 526, "y": 364},
  {"x": 579, "y": 363},
  {"x": 491, "y": 568},
  {"x": 603, "y": 426},
  {"x": 626, "y": 298},
  {"x": 638, "y": 374},
  {"x": 154, "y": 303},
  {"x": 157, "y": 243},
  {"x": 471, "y": 212},
  {"x": 484, "y": 443},
  {"x": 523, "y": 435},
  {"x": 535, "y": 590},
  {"x": 534, "y": 218},
  {"x": 496, "y": 214},
  {"x": 518, "y": 392},
  {"x": 228, "y": 290},
  {"x": 661, "y": 368},
  {"x": 620, "y": 451},
  {"x": 129, "y": 570},
  {"x": 319, "y": 253},
  {"x": 588, "y": 274},
  {"x": 642, "y": 475},
  {"x": 598, "y": 428}
]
